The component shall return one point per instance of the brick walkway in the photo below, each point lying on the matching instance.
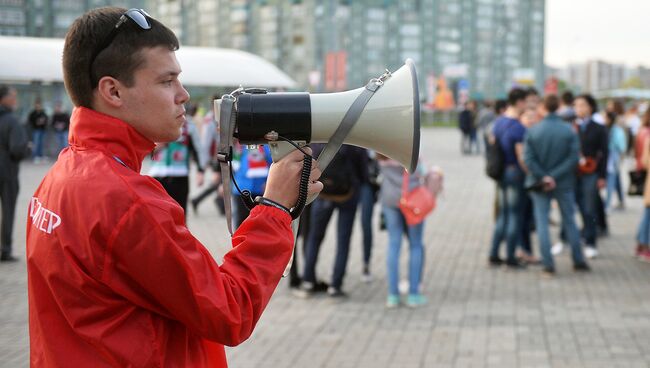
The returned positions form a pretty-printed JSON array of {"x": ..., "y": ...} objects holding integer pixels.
[{"x": 476, "y": 316}]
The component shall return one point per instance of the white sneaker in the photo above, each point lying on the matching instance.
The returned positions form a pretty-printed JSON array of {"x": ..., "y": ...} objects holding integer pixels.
[
  {"x": 591, "y": 252},
  {"x": 366, "y": 277},
  {"x": 557, "y": 248}
]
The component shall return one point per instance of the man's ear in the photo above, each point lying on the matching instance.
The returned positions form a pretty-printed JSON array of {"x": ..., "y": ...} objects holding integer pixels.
[{"x": 109, "y": 91}]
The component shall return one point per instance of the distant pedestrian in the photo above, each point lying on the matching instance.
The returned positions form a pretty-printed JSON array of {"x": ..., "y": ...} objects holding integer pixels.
[
  {"x": 61, "y": 125},
  {"x": 467, "y": 125},
  {"x": 551, "y": 155},
  {"x": 592, "y": 168},
  {"x": 509, "y": 134},
  {"x": 13, "y": 148},
  {"x": 392, "y": 188},
  {"x": 38, "y": 122},
  {"x": 617, "y": 147}
]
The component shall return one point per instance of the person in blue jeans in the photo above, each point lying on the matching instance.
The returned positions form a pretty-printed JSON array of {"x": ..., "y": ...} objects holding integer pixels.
[
  {"x": 592, "y": 178},
  {"x": 389, "y": 196},
  {"x": 551, "y": 153},
  {"x": 509, "y": 132},
  {"x": 367, "y": 199},
  {"x": 38, "y": 122},
  {"x": 349, "y": 163}
]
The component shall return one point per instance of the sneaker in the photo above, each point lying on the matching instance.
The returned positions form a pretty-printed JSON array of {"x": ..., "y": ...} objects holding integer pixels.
[
  {"x": 8, "y": 258},
  {"x": 557, "y": 248},
  {"x": 416, "y": 300},
  {"x": 392, "y": 301},
  {"x": 515, "y": 265},
  {"x": 581, "y": 267},
  {"x": 591, "y": 252},
  {"x": 337, "y": 293},
  {"x": 366, "y": 277},
  {"x": 308, "y": 289},
  {"x": 495, "y": 261},
  {"x": 644, "y": 256},
  {"x": 548, "y": 272}
]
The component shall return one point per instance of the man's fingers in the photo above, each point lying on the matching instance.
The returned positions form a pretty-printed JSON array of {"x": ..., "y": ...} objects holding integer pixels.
[{"x": 315, "y": 187}]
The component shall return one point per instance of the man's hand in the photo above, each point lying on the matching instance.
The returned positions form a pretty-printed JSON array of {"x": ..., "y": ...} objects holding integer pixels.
[
  {"x": 602, "y": 183},
  {"x": 549, "y": 183},
  {"x": 284, "y": 179}
]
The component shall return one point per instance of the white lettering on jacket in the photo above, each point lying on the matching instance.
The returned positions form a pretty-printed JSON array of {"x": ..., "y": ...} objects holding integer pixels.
[{"x": 44, "y": 219}]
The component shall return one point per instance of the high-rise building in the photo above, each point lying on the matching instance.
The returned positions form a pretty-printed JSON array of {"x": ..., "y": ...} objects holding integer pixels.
[
  {"x": 49, "y": 18},
  {"x": 487, "y": 45}
]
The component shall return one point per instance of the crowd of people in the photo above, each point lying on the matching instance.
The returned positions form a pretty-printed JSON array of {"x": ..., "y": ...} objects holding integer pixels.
[
  {"x": 355, "y": 180},
  {"x": 560, "y": 148}
]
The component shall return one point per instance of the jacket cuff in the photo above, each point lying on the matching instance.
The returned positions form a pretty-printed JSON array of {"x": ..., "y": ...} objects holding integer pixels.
[{"x": 272, "y": 212}]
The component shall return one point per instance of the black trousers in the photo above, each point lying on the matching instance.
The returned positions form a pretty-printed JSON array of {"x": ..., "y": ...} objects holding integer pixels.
[
  {"x": 8, "y": 197},
  {"x": 178, "y": 187}
]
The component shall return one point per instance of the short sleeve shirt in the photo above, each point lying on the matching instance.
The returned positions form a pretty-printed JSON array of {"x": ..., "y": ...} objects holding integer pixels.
[{"x": 509, "y": 132}]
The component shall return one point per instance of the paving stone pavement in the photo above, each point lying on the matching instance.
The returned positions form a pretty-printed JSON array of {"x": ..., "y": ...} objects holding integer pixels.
[{"x": 476, "y": 316}]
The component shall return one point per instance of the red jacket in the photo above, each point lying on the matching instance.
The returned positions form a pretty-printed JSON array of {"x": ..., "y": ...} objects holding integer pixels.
[{"x": 115, "y": 277}]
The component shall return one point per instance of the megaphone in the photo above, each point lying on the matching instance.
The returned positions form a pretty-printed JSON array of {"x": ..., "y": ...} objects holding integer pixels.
[{"x": 383, "y": 116}]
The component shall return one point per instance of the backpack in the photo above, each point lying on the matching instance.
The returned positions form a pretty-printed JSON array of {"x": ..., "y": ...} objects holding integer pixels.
[
  {"x": 494, "y": 158},
  {"x": 337, "y": 179}
]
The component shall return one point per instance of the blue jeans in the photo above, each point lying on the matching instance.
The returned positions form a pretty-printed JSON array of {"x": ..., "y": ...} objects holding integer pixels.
[
  {"x": 321, "y": 212},
  {"x": 613, "y": 184},
  {"x": 508, "y": 225},
  {"x": 62, "y": 139},
  {"x": 367, "y": 200},
  {"x": 541, "y": 206},
  {"x": 586, "y": 192},
  {"x": 395, "y": 225},
  {"x": 37, "y": 137},
  {"x": 643, "y": 234}
]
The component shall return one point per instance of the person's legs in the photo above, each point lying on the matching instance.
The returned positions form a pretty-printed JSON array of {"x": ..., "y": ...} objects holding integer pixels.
[
  {"x": 619, "y": 190},
  {"x": 587, "y": 200},
  {"x": 514, "y": 194},
  {"x": 321, "y": 211},
  {"x": 611, "y": 187},
  {"x": 395, "y": 227},
  {"x": 62, "y": 139},
  {"x": 367, "y": 206},
  {"x": 416, "y": 257},
  {"x": 541, "y": 208},
  {"x": 566, "y": 200},
  {"x": 347, "y": 211},
  {"x": 8, "y": 197},
  {"x": 500, "y": 224},
  {"x": 643, "y": 232},
  {"x": 204, "y": 194},
  {"x": 527, "y": 220},
  {"x": 38, "y": 143}
]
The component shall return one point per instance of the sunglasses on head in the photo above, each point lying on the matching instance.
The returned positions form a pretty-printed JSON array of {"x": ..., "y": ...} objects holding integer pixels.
[{"x": 138, "y": 16}]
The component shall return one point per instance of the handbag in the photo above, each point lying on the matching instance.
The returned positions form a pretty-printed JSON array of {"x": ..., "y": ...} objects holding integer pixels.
[
  {"x": 416, "y": 204},
  {"x": 637, "y": 182}
]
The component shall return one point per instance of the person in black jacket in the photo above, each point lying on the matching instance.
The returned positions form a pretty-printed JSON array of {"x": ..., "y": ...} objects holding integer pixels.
[
  {"x": 61, "y": 124},
  {"x": 467, "y": 125},
  {"x": 592, "y": 167},
  {"x": 13, "y": 148},
  {"x": 38, "y": 122},
  {"x": 342, "y": 181}
]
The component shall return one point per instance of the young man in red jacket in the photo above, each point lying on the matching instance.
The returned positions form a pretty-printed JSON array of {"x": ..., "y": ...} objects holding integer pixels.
[{"x": 115, "y": 277}]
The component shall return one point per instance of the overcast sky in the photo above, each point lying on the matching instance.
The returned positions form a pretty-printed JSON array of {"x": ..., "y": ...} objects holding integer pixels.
[{"x": 611, "y": 30}]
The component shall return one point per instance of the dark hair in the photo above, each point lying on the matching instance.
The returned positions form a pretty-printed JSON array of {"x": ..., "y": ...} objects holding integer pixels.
[
  {"x": 119, "y": 60},
  {"x": 4, "y": 90},
  {"x": 551, "y": 103},
  {"x": 191, "y": 108},
  {"x": 532, "y": 91},
  {"x": 500, "y": 105},
  {"x": 590, "y": 100},
  {"x": 619, "y": 109},
  {"x": 611, "y": 116},
  {"x": 567, "y": 97},
  {"x": 516, "y": 95}
]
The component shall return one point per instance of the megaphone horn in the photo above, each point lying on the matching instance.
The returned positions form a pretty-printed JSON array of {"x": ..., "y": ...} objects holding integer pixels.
[{"x": 383, "y": 116}]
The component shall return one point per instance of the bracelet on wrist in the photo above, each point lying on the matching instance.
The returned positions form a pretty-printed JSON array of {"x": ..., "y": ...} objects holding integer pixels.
[{"x": 267, "y": 202}]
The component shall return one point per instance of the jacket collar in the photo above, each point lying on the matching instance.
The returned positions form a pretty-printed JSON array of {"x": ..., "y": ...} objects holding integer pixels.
[{"x": 93, "y": 130}]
